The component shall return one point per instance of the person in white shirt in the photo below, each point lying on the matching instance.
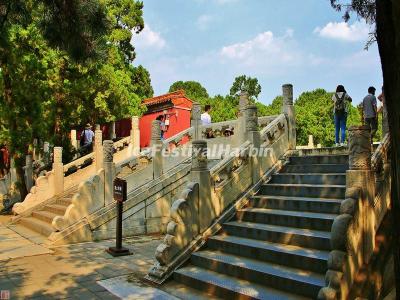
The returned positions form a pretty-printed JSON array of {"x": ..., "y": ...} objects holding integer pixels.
[
  {"x": 206, "y": 120},
  {"x": 205, "y": 117}
]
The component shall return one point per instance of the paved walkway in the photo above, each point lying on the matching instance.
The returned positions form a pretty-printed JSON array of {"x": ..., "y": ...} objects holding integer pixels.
[
  {"x": 13, "y": 245},
  {"x": 73, "y": 271}
]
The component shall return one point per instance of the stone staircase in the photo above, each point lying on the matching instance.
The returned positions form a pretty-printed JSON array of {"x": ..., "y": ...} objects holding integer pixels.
[
  {"x": 277, "y": 246},
  {"x": 40, "y": 220}
]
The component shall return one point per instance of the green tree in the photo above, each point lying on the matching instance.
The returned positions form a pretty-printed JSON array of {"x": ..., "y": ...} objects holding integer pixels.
[
  {"x": 246, "y": 84},
  {"x": 193, "y": 89},
  {"x": 77, "y": 27},
  {"x": 275, "y": 108},
  {"x": 142, "y": 82}
]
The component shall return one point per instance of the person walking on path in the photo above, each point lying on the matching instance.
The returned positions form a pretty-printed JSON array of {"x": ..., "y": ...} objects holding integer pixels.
[
  {"x": 86, "y": 141},
  {"x": 370, "y": 111},
  {"x": 341, "y": 102}
]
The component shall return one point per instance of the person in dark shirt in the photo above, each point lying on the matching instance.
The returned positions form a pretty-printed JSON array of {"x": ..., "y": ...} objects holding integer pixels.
[{"x": 370, "y": 111}]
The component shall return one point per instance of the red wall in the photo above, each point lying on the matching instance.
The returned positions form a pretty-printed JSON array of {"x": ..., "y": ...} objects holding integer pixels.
[{"x": 176, "y": 124}]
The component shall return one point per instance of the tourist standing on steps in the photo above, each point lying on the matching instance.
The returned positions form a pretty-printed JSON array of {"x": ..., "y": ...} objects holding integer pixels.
[
  {"x": 370, "y": 111},
  {"x": 341, "y": 102},
  {"x": 206, "y": 120}
]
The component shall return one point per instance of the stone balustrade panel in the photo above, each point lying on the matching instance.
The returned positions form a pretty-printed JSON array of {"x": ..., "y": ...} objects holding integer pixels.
[
  {"x": 88, "y": 199},
  {"x": 219, "y": 128},
  {"x": 42, "y": 190}
]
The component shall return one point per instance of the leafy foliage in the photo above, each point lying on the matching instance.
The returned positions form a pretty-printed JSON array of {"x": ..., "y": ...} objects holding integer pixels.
[
  {"x": 246, "y": 84},
  {"x": 193, "y": 89},
  {"x": 63, "y": 64}
]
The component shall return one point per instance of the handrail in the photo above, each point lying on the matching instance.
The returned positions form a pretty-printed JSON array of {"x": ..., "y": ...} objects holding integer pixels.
[
  {"x": 240, "y": 152},
  {"x": 377, "y": 156},
  {"x": 219, "y": 124},
  {"x": 278, "y": 120},
  {"x": 78, "y": 162},
  {"x": 177, "y": 137},
  {"x": 120, "y": 144},
  {"x": 264, "y": 120}
]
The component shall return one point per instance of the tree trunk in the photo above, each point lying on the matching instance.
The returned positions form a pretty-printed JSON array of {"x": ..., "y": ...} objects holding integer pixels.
[
  {"x": 19, "y": 170},
  {"x": 388, "y": 32}
]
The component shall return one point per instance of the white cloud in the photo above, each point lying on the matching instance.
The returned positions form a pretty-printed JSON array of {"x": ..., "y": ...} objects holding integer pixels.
[
  {"x": 358, "y": 31},
  {"x": 264, "y": 49},
  {"x": 148, "y": 38},
  {"x": 204, "y": 21}
]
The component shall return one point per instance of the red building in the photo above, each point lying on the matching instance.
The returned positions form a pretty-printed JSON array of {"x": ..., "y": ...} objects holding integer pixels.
[{"x": 175, "y": 106}]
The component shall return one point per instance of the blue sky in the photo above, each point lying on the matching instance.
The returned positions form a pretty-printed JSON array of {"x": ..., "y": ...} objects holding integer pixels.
[{"x": 305, "y": 43}]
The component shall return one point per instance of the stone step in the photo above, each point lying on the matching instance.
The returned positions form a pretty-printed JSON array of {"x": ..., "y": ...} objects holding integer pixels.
[
  {"x": 322, "y": 151},
  {"x": 320, "y": 205},
  {"x": 316, "y": 168},
  {"x": 307, "y": 238},
  {"x": 319, "y": 159},
  {"x": 292, "y": 256},
  {"x": 37, "y": 225},
  {"x": 298, "y": 219},
  {"x": 184, "y": 292},
  {"x": 304, "y": 178},
  {"x": 228, "y": 287},
  {"x": 56, "y": 208},
  {"x": 284, "y": 278},
  {"x": 304, "y": 190},
  {"x": 45, "y": 216}
]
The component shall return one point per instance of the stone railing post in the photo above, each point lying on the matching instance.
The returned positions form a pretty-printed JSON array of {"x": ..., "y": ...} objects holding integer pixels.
[
  {"x": 98, "y": 148},
  {"x": 135, "y": 135},
  {"x": 58, "y": 169},
  {"x": 196, "y": 120},
  {"x": 311, "y": 142},
  {"x": 109, "y": 170},
  {"x": 36, "y": 152},
  {"x": 157, "y": 148},
  {"x": 254, "y": 137},
  {"x": 288, "y": 110},
  {"x": 200, "y": 173},
  {"x": 46, "y": 152},
  {"x": 240, "y": 133},
  {"x": 111, "y": 134},
  {"x": 74, "y": 141},
  {"x": 360, "y": 175},
  {"x": 28, "y": 172}
]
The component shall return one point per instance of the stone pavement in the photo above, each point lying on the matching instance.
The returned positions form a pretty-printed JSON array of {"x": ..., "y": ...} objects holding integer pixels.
[
  {"x": 13, "y": 245},
  {"x": 72, "y": 272}
]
